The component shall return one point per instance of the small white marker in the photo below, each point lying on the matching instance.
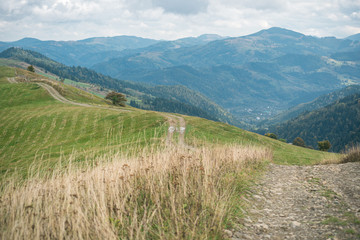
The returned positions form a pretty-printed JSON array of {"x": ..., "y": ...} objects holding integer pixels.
[{"x": 171, "y": 129}]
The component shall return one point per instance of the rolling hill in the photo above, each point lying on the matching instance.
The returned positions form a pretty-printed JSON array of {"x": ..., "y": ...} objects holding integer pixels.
[
  {"x": 37, "y": 129},
  {"x": 161, "y": 98}
]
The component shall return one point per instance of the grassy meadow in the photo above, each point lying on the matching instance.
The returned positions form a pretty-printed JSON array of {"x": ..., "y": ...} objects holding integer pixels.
[
  {"x": 35, "y": 128},
  {"x": 75, "y": 172},
  {"x": 201, "y": 132}
]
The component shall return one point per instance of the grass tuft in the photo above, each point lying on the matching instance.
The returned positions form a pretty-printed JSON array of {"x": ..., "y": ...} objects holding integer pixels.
[{"x": 352, "y": 155}]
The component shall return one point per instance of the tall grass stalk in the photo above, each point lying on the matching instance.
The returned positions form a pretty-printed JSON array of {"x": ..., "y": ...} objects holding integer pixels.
[{"x": 173, "y": 194}]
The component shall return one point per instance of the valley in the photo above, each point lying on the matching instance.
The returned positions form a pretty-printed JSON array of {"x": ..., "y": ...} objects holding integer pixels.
[{"x": 173, "y": 162}]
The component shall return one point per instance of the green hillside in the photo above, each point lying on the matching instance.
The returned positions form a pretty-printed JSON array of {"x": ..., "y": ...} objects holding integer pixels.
[
  {"x": 36, "y": 128},
  {"x": 208, "y": 132},
  {"x": 178, "y": 99},
  {"x": 39, "y": 130}
]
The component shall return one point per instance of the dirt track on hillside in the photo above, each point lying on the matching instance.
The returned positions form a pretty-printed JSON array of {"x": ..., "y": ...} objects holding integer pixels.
[
  {"x": 304, "y": 202},
  {"x": 177, "y": 123}
]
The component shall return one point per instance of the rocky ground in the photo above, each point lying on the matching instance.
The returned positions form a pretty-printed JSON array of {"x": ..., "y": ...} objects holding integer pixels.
[{"x": 304, "y": 202}]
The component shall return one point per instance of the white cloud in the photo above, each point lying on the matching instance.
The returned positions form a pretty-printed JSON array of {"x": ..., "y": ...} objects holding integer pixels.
[
  {"x": 185, "y": 7},
  {"x": 165, "y": 19}
]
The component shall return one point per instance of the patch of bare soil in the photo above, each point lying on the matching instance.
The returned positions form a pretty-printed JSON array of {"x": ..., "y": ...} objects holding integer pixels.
[{"x": 304, "y": 202}]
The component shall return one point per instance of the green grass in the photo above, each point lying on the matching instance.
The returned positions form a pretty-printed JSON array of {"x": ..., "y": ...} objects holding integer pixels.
[
  {"x": 199, "y": 130},
  {"x": 331, "y": 220},
  {"x": 7, "y": 62},
  {"x": 6, "y": 72},
  {"x": 35, "y": 127},
  {"x": 78, "y": 95}
]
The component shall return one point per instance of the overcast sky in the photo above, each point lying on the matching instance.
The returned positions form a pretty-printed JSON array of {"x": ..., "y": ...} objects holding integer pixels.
[{"x": 172, "y": 19}]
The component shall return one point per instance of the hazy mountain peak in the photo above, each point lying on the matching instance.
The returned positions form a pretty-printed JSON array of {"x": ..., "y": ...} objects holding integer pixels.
[
  {"x": 355, "y": 37},
  {"x": 210, "y": 37},
  {"x": 28, "y": 40},
  {"x": 278, "y": 31}
]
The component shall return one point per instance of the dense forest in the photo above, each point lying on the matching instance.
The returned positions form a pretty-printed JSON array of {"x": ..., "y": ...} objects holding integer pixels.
[
  {"x": 338, "y": 122},
  {"x": 317, "y": 103}
]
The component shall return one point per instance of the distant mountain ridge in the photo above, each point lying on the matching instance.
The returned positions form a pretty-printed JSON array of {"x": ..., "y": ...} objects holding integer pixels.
[
  {"x": 355, "y": 37},
  {"x": 88, "y": 51}
]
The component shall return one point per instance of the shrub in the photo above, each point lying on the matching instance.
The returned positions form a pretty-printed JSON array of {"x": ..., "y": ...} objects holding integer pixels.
[
  {"x": 324, "y": 145},
  {"x": 271, "y": 135},
  {"x": 116, "y": 98},
  {"x": 352, "y": 155},
  {"x": 31, "y": 68},
  {"x": 299, "y": 142}
]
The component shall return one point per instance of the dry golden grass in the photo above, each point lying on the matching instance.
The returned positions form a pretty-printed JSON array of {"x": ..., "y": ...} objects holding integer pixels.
[
  {"x": 334, "y": 159},
  {"x": 350, "y": 155},
  {"x": 173, "y": 194}
]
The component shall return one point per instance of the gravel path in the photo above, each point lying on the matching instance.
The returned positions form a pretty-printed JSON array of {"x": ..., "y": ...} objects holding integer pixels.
[{"x": 304, "y": 202}]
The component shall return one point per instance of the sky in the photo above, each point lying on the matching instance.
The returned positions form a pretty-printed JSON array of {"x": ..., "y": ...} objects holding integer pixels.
[{"x": 173, "y": 19}]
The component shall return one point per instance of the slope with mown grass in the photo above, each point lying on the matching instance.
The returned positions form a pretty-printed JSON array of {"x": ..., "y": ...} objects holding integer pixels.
[{"x": 35, "y": 127}]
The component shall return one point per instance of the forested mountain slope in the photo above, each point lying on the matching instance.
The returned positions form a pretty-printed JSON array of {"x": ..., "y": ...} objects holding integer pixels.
[
  {"x": 319, "y": 102},
  {"x": 338, "y": 122}
]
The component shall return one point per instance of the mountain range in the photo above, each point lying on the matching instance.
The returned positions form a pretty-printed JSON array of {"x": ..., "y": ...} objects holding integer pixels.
[{"x": 254, "y": 77}]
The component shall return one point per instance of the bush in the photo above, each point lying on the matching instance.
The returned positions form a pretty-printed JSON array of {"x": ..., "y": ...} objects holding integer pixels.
[
  {"x": 31, "y": 68},
  {"x": 299, "y": 142},
  {"x": 324, "y": 145},
  {"x": 116, "y": 98},
  {"x": 352, "y": 155},
  {"x": 271, "y": 135}
]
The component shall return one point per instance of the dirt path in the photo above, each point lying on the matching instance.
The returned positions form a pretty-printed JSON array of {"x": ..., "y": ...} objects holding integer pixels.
[
  {"x": 177, "y": 124},
  {"x": 304, "y": 202},
  {"x": 57, "y": 96},
  {"x": 11, "y": 80}
]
